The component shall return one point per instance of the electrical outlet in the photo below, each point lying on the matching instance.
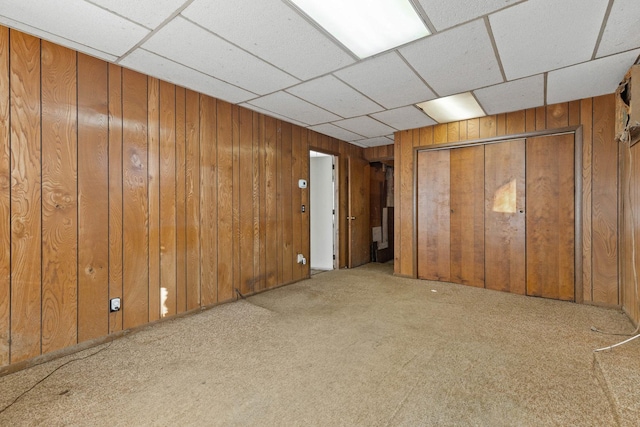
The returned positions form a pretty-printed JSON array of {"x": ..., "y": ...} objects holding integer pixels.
[{"x": 114, "y": 304}]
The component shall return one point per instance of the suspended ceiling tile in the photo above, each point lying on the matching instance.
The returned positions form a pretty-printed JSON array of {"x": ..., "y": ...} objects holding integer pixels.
[
  {"x": 162, "y": 68},
  {"x": 593, "y": 78},
  {"x": 77, "y": 21},
  {"x": 622, "y": 31},
  {"x": 404, "y": 118},
  {"x": 149, "y": 13},
  {"x": 375, "y": 142},
  {"x": 56, "y": 39},
  {"x": 365, "y": 126},
  {"x": 446, "y": 14},
  {"x": 272, "y": 114},
  {"x": 273, "y": 31},
  {"x": 290, "y": 106},
  {"x": 188, "y": 44},
  {"x": 457, "y": 60},
  {"x": 336, "y": 132},
  {"x": 333, "y": 95},
  {"x": 512, "y": 96},
  {"x": 388, "y": 80},
  {"x": 544, "y": 35}
]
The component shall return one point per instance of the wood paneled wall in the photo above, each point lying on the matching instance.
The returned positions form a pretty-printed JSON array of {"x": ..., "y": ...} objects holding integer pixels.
[
  {"x": 599, "y": 181},
  {"x": 116, "y": 184},
  {"x": 630, "y": 241},
  {"x": 380, "y": 153}
]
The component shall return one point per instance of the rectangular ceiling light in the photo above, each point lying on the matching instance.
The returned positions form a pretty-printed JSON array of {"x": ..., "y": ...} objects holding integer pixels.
[
  {"x": 452, "y": 108},
  {"x": 366, "y": 27}
]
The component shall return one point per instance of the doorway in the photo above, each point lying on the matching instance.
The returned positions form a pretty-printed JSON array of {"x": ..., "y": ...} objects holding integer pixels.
[{"x": 323, "y": 212}]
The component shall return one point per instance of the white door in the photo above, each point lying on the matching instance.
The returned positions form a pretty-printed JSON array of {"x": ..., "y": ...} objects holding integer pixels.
[{"x": 321, "y": 205}]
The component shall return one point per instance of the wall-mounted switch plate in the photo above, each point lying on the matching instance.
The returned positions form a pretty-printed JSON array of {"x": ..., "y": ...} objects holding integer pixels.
[{"x": 114, "y": 304}]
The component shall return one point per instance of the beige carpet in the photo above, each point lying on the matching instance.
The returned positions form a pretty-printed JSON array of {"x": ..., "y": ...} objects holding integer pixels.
[{"x": 349, "y": 347}]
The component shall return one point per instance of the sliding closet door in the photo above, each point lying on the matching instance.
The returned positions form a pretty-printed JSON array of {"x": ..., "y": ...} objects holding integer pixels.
[
  {"x": 467, "y": 215},
  {"x": 551, "y": 217},
  {"x": 505, "y": 216},
  {"x": 434, "y": 215}
]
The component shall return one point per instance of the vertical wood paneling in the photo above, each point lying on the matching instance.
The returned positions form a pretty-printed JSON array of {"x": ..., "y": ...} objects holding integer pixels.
[
  {"x": 434, "y": 215},
  {"x": 154, "y": 196},
  {"x": 504, "y": 217},
  {"x": 473, "y": 128},
  {"x": 93, "y": 198},
  {"x": 586, "y": 117},
  {"x": 225, "y": 202},
  {"x": 279, "y": 205},
  {"x": 574, "y": 113},
  {"x": 488, "y": 127},
  {"x": 453, "y": 132},
  {"x": 181, "y": 202},
  {"x": 306, "y": 217},
  {"x": 296, "y": 201},
  {"x": 439, "y": 134},
  {"x": 599, "y": 192},
  {"x": 426, "y": 136},
  {"x": 550, "y": 217},
  {"x": 168, "y": 209},
  {"x": 406, "y": 205},
  {"x": 59, "y": 198},
  {"x": 271, "y": 224},
  {"x": 115, "y": 193},
  {"x": 530, "y": 119},
  {"x": 140, "y": 182},
  {"x": 604, "y": 202},
  {"x": 26, "y": 221},
  {"x": 501, "y": 124},
  {"x": 192, "y": 146},
  {"x": 541, "y": 118},
  {"x": 135, "y": 300},
  {"x": 258, "y": 205},
  {"x": 631, "y": 189},
  {"x": 235, "y": 189},
  {"x": 287, "y": 200},
  {"x": 467, "y": 215},
  {"x": 343, "y": 204},
  {"x": 246, "y": 272},
  {"x": 557, "y": 116},
  {"x": 515, "y": 122},
  {"x": 215, "y": 215},
  {"x": 5, "y": 199},
  {"x": 398, "y": 221}
]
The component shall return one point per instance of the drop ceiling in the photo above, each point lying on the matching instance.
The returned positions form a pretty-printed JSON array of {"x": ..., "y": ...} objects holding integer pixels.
[{"x": 267, "y": 56}]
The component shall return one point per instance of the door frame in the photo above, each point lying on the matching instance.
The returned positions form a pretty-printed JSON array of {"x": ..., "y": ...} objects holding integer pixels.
[
  {"x": 335, "y": 160},
  {"x": 578, "y": 197}
]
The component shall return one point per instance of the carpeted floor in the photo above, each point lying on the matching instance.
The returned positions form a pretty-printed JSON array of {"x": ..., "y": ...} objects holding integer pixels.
[{"x": 348, "y": 347}]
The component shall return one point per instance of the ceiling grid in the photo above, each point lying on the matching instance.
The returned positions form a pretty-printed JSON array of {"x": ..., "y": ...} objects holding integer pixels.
[{"x": 270, "y": 57}]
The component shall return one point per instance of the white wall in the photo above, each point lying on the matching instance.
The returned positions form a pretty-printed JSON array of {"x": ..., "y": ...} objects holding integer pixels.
[{"x": 321, "y": 205}]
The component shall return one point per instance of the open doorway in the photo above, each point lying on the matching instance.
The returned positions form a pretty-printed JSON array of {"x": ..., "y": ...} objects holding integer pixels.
[{"x": 323, "y": 212}]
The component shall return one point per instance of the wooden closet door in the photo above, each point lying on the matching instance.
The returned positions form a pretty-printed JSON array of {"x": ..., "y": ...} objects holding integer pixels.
[
  {"x": 505, "y": 216},
  {"x": 358, "y": 212},
  {"x": 434, "y": 215},
  {"x": 467, "y": 215},
  {"x": 551, "y": 217}
]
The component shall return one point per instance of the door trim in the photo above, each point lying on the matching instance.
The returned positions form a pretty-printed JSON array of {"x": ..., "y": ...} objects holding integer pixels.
[{"x": 578, "y": 196}]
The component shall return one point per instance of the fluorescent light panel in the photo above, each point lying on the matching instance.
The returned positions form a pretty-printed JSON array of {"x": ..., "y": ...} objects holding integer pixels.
[
  {"x": 452, "y": 108},
  {"x": 366, "y": 27}
]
